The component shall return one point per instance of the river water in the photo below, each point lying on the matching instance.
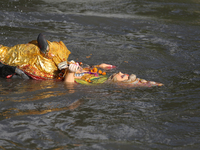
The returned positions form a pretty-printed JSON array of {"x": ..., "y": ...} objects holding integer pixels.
[{"x": 155, "y": 39}]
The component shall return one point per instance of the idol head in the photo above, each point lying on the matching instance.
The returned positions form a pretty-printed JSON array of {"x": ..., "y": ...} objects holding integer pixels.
[{"x": 122, "y": 77}]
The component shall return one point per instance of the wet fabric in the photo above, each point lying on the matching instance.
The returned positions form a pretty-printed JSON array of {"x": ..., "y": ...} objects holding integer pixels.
[
  {"x": 29, "y": 58},
  {"x": 91, "y": 79}
]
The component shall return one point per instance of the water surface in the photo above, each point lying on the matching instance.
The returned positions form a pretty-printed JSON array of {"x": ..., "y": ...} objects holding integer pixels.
[{"x": 157, "y": 40}]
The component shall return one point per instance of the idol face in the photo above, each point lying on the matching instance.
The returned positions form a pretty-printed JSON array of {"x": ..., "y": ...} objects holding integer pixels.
[{"x": 121, "y": 76}]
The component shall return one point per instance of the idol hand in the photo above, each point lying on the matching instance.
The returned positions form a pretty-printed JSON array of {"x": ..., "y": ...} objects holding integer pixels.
[
  {"x": 106, "y": 66},
  {"x": 73, "y": 67}
]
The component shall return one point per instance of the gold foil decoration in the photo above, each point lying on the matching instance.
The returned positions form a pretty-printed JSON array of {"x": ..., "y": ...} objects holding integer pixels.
[{"x": 32, "y": 61}]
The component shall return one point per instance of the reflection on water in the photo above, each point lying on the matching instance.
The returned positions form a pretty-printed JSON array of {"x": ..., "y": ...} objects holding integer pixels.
[
  {"x": 39, "y": 111},
  {"x": 156, "y": 40},
  {"x": 26, "y": 97}
]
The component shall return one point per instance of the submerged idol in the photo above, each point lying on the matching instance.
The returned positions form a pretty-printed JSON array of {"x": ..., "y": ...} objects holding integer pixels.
[
  {"x": 42, "y": 60},
  {"x": 76, "y": 74}
]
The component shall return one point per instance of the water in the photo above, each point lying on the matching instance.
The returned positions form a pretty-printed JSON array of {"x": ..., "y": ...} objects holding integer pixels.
[{"x": 157, "y": 40}]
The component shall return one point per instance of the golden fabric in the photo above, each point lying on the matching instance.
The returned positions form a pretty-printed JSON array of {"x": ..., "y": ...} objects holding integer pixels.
[{"x": 29, "y": 58}]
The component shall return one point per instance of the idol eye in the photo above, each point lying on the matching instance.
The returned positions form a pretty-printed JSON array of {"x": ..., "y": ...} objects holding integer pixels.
[{"x": 122, "y": 76}]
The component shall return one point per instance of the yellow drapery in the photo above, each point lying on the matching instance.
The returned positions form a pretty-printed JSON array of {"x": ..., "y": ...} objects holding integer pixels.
[{"x": 32, "y": 61}]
